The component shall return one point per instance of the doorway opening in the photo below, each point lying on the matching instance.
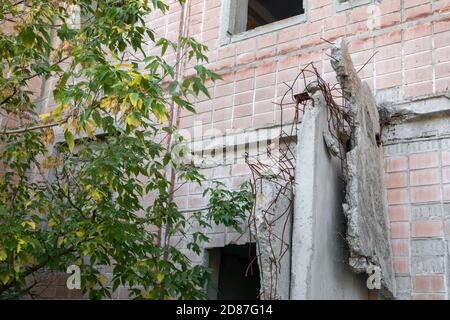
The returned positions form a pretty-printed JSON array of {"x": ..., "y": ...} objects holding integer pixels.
[{"x": 236, "y": 273}]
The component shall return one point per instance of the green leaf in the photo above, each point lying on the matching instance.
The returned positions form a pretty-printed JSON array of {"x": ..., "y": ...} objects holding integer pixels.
[
  {"x": 4, "y": 277},
  {"x": 69, "y": 139},
  {"x": 172, "y": 87},
  {"x": 97, "y": 118},
  {"x": 27, "y": 36}
]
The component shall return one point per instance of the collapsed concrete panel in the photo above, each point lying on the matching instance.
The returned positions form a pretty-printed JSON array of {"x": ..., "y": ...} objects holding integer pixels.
[
  {"x": 319, "y": 254},
  {"x": 365, "y": 204}
]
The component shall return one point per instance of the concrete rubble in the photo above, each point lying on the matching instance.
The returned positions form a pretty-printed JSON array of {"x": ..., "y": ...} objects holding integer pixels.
[{"x": 365, "y": 204}]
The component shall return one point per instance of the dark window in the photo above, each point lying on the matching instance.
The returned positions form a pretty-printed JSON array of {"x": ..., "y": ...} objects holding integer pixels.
[
  {"x": 236, "y": 273},
  {"x": 262, "y": 12}
]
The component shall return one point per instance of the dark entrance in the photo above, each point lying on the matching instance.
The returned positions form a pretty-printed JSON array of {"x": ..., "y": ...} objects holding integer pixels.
[{"x": 236, "y": 273}]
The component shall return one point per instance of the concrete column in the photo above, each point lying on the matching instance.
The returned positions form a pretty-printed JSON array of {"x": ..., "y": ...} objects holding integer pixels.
[{"x": 320, "y": 269}]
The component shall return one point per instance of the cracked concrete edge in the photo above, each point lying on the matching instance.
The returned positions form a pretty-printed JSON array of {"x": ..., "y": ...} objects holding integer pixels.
[{"x": 366, "y": 211}]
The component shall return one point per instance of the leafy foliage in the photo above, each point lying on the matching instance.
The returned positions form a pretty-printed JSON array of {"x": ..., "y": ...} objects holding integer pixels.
[
  {"x": 227, "y": 206},
  {"x": 80, "y": 201}
]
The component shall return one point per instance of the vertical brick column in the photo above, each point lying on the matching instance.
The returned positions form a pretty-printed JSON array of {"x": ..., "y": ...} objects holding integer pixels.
[{"x": 417, "y": 178}]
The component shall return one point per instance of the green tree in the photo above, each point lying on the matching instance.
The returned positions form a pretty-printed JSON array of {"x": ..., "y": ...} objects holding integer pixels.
[{"x": 82, "y": 203}]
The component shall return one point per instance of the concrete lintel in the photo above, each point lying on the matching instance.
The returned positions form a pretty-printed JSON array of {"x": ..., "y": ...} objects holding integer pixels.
[
  {"x": 231, "y": 139},
  {"x": 412, "y": 110}
]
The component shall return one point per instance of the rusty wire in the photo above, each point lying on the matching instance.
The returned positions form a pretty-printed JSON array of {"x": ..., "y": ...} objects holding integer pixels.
[{"x": 278, "y": 166}]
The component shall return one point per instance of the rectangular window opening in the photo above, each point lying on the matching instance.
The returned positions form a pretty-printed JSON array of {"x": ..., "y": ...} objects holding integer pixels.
[
  {"x": 251, "y": 14},
  {"x": 262, "y": 12}
]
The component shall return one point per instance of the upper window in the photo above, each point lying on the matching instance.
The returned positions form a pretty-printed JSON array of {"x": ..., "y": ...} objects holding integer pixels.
[
  {"x": 262, "y": 12},
  {"x": 247, "y": 18}
]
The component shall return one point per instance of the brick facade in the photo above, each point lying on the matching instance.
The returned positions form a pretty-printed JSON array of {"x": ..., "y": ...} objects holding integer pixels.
[
  {"x": 403, "y": 48},
  {"x": 410, "y": 46},
  {"x": 419, "y": 210}
]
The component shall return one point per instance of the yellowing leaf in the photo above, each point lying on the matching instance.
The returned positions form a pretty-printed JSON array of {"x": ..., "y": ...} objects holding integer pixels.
[
  {"x": 3, "y": 255},
  {"x": 137, "y": 80},
  {"x": 32, "y": 224},
  {"x": 52, "y": 223},
  {"x": 97, "y": 196},
  {"x": 104, "y": 104},
  {"x": 79, "y": 233},
  {"x": 160, "y": 277},
  {"x": 72, "y": 124},
  {"x": 159, "y": 115},
  {"x": 28, "y": 37},
  {"x": 51, "y": 162},
  {"x": 102, "y": 279},
  {"x": 56, "y": 114},
  {"x": 89, "y": 128},
  {"x": 49, "y": 136},
  {"x": 123, "y": 65},
  {"x": 132, "y": 120},
  {"x": 89, "y": 285},
  {"x": 119, "y": 29},
  {"x": 147, "y": 295},
  {"x": 20, "y": 244},
  {"x": 125, "y": 106},
  {"x": 45, "y": 116}
]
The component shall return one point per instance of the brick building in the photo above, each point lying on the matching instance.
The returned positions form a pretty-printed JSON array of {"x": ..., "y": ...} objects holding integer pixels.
[{"x": 402, "y": 49}]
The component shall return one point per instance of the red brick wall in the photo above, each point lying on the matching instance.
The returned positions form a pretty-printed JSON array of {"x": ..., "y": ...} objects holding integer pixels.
[
  {"x": 411, "y": 56},
  {"x": 418, "y": 182},
  {"x": 411, "y": 49}
]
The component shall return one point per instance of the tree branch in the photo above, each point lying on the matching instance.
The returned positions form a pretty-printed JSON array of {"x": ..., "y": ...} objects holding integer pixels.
[{"x": 37, "y": 127}]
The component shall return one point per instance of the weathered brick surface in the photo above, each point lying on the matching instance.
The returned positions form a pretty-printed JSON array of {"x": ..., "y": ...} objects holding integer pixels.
[
  {"x": 410, "y": 46},
  {"x": 426, "y": 213},
  {"x": 410, "y": 50}
]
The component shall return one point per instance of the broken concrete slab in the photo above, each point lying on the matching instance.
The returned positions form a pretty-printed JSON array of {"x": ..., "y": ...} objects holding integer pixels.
[
  {"x": 319, "y": 253},
  {"x": 365, "y": 204}
]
